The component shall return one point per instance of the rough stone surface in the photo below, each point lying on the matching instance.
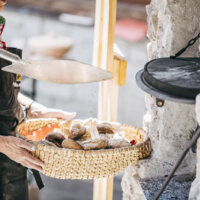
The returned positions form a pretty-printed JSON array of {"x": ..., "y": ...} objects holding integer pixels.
[
  {"x": 194, "y": 191},
  {"x": 197, "y": 109},
  {"x": 172, "y": 23},
  {"x": 169, "y": 128},
  {"x": 146, "y": 189},
  {"x": 131, "y": 185},
  {"x": 178, "y": 188}
]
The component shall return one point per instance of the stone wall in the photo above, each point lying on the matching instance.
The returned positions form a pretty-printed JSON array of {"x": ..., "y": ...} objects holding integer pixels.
[{"x": 172, "y": 23}]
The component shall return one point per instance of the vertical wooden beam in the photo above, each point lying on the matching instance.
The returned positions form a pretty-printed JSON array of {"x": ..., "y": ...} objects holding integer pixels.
[
  {"x": 98, "y": 33},
  {"x": 108, "y": 90},
  {"x": 106, "y": 53}
]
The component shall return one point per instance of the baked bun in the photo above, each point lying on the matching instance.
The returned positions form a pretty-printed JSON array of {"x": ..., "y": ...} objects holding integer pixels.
[
  {"x": 94, "y": 144},
  {"x": 118, "y": 143},
  {"x": 71, "y": 144},
  {"x": 55, "y": 138},
  {"x": 105, "y": 128},
  {"x": 75, "y": 132}
]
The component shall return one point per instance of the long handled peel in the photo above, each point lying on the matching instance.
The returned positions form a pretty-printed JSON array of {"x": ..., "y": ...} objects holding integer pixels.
[{"x": 57, "y": 71}]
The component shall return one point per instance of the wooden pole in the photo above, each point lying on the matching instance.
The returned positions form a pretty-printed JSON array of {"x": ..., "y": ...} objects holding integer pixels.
[
  {"x": 103, "y": 188},
  {"x": 104, "y": 51},
  {"x": 108, "y": 90}
]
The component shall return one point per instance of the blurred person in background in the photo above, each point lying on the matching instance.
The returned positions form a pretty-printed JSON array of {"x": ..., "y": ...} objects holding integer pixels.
[{"x": 15, "y": 153}]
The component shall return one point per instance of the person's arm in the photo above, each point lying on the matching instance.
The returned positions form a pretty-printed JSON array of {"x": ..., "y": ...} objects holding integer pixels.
[
  {"x": 36, "y": 110},
  {"x": 19, "y": 151},
  {"x": 14, "y": 148}
]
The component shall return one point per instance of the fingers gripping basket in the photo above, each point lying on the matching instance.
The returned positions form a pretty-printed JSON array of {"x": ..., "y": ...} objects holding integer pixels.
[{"x": 92, "y": 164}]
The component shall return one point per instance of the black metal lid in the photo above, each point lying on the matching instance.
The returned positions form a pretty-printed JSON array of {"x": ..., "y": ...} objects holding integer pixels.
[{"x": 174, "y": 76}]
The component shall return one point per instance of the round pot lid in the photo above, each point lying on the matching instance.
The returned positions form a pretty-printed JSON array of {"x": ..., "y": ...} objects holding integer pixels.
[{"x": 175, "y": 76}]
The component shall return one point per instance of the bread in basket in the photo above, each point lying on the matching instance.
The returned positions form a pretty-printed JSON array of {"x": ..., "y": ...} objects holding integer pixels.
[{"x": 63, "y": 163}]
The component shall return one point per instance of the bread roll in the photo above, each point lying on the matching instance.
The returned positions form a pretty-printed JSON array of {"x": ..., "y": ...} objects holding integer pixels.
[
  {"x": 118, "y": 143},
  {"x": 55, "y": 138},
  {"x": 71, "y": 144},
  {"x": 104, "y": 128},
  {"x": 94, "y": 144}
]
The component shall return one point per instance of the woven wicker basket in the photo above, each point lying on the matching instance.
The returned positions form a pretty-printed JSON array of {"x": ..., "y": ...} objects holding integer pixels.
[{"x": 92, "y": 164}]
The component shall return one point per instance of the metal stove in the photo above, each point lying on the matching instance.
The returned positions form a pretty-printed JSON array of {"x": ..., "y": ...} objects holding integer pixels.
[{"x": 174, "y": 79}]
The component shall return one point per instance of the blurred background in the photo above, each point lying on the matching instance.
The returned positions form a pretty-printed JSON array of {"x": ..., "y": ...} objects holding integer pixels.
[{"x": 50, "y": 29}]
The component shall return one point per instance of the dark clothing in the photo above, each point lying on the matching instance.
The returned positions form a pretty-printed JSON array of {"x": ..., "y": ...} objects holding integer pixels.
[
  {"x": 13, "y": 181},
  {"x": 11, "y": 112}
]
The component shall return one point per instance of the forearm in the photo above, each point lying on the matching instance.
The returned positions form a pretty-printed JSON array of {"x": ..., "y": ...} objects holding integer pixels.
[
  {"x": 20, "y": 151},
  {"x": 2, "y": 143},
  {"x": 30, "y": 105},
  {"x": 36, "y": 110},
  {"x": 23, "y": 100}
]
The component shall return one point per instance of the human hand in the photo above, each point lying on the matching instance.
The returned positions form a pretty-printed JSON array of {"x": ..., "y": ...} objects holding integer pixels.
[
  {"x": 37, "y": 110},
  {"x": 19, "y": 151}
]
